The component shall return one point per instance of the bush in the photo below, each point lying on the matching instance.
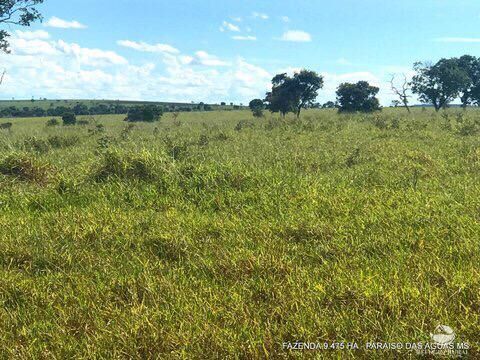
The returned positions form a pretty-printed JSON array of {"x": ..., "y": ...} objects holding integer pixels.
[
  {"x": 6, "y": 126},
  {"x": 52, "y": 122},
  {"x": 35, "y": 144},
  {"x": 257, "y": 106},
  {"x": 69, "y": 119},
  {"x": 25, "y": 168},
  {"x": 60, "y": 142},
  {"x": 127, "y": 166}
]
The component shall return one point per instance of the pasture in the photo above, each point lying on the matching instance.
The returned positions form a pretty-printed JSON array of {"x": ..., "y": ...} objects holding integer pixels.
[{"x": 217, "y": 235}]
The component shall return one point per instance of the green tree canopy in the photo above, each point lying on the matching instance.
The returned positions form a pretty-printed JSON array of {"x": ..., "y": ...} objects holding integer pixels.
[
  {"x": 16, "y": 12},
  {"x": 470, "y": 92},
  {"x": 292, "y": 94},
  {"x": 257, "y": 106},
  {"x": 441, "y": 83},
  {"x": 357, "y": 97}
]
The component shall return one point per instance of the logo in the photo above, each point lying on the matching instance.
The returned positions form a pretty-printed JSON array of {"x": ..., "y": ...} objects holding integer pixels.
[{"x": 443, "y": 335}]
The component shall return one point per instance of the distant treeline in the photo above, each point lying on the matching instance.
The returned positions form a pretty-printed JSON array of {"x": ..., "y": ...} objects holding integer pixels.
[{"x": 97, "y": 109}]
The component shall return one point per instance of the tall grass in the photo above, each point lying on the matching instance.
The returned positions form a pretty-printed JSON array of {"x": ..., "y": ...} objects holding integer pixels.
[{"x": 216, "y": 235}]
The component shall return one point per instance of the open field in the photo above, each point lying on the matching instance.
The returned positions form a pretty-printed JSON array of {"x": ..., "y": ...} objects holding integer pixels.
[{"x": 220, "y": 236}]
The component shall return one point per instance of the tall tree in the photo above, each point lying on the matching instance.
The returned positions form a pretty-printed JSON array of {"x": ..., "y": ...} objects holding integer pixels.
[
  {"x": 292, "y": 94},
  {"x": 16, "y": 12},
  {"x": 358, "y": 97},
  {"x": 439, "y": 84},
  {"x": 470, "y": 92},
  {"x": 306, "y": 85}
]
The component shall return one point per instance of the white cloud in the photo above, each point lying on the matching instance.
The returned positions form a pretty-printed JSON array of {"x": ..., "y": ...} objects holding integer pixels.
[
  {"x": 285, "y": 19},
  {"x": 244, "y": 38},
  {"x": 204, "y": 58},
  {"x": 91, "y": 57},
  {"x": 229, "y": 26},
  {"x": 296, "y": 36},
  {"x": 257, "y": 15},
  {"x": 56, "y": 22},
  {"x": 237, "y": 19},
  {"x": 50, "y": 68},
  {"x": 458, "y": 40},
  {"x": 145, "y": 47},
  {"x": 33, "y": 47},
  {"x": 37, "y": 43},
  {"x": 30, "y": 35}
]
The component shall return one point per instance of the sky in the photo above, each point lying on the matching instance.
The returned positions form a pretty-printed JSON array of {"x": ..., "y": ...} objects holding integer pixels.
[{"x": 214, "y": 51}]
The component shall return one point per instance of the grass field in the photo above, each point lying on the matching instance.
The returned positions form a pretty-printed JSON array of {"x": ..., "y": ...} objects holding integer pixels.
[{"x": 220, "y": 236}]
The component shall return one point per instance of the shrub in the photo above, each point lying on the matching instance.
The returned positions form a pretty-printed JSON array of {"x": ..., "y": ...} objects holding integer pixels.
[
  {"x": 59, "y": 142},
  {"x": 257, "y": 106},
  {"x": 127, "y": 166},
  {"x": 37, "y": 145},
  {"x": 69, "y": 119},
  {"x": 25, "y": 168},
  {"x": 6, "y": 126},
  {"x": 52, "y": 122}
]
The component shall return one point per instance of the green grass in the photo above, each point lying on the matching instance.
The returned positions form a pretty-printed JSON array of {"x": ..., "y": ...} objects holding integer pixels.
[{"x": 191, "y": 239}]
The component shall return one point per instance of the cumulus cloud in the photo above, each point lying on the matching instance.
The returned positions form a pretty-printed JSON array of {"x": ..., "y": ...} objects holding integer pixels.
[
  {"x": 206, "y": 59},
  {"x": 296, "y": 36},
  {"x": 30, "y": 35},
  {"x": 244, "y": 38},
  {"x": 38, "y": 43},
  {"x": 56, "y": 22},
  {"x": 42, "y": 67},
  {"x": 145, "y": 47},
  {"x": 91, "y": 57}
]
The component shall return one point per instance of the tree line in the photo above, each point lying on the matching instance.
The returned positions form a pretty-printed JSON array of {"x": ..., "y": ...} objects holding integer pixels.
[
  {"x": 83, "y": 109},
  {"x": 437, "y": 85},
  {"x": 297, "y": 92}
]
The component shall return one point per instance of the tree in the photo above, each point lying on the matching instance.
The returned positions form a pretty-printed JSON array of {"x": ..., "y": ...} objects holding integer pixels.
[
  {"x": 470, "y": 92},
  {"x": 257, "y": 106},
  {"x": 396, "y": 103},
  {"x": 147, "y": 113},
  {"x": 17, "y": 12},
  {"x": 329, "y": 105},
  {"x": 69, "y": 119},
  {"x": 357, "y": 97},
  {"x": 402, "y": 92},
  {"x": 292, "y": 94},
  {"x": 439, "y": 84}
]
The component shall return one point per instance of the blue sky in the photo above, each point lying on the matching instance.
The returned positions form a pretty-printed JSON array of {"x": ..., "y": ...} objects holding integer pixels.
[{"x": 216, "y": 51}]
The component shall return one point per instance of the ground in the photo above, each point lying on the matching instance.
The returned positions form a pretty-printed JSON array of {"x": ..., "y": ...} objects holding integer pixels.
[{"x": 217, "y": 235}]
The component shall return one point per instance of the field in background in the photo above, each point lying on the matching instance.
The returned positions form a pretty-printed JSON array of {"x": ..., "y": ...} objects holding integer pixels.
[{"x": 216, "y": 235}]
